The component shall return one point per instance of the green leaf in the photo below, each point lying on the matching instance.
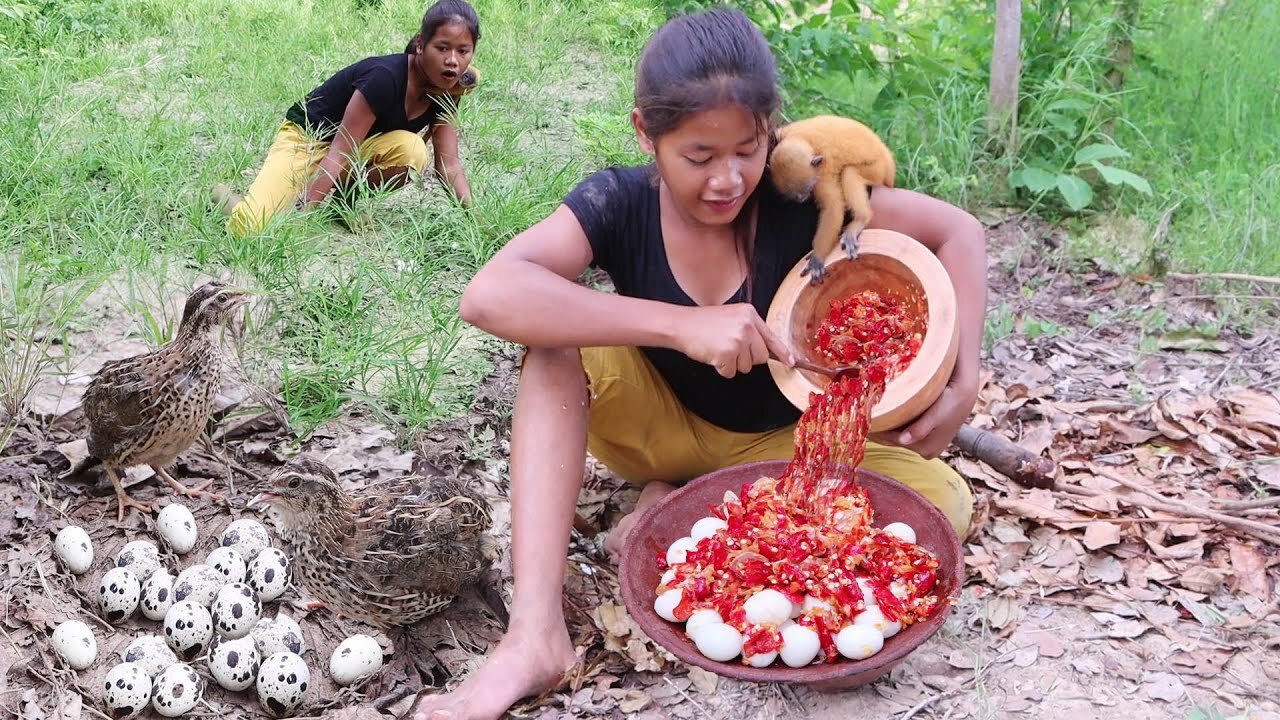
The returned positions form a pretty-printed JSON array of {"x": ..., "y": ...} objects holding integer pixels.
[
  {"x": 1099, "y": 151},
  {"x": 1034, "y": 179},
  {"x": 1075, "y": 191},
  {"x": 1189, "y": 339},
  {"x": 1062, "y": 122},
  {"x": 1069, "y": 104},
  {"x": 1116, "y": 176}
]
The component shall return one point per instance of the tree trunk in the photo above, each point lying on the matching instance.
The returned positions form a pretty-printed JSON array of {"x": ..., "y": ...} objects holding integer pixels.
[
  {"x": 1121, "y": 50},
  {"x": 1006, "y": 68}
]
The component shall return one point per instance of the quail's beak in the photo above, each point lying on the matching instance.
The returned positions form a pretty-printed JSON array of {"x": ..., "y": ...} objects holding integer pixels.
[
  {"x": 263, "y": 499},
  {"x": 241, "y": 296}
]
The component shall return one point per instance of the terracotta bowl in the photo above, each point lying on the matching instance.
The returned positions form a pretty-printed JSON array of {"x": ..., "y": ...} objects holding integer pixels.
[
  {"x": 673, "y": 516},
  {"x": 887, "y": 261}
]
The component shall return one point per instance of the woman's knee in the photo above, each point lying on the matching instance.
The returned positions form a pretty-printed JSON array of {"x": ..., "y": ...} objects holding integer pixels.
[{"x": 403, "y": 149}]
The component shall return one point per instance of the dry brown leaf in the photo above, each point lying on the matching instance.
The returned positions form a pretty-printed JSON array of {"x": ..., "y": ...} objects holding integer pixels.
[
  {"x": 1250, "y": 569},
  {"x": 1000, "y": 610},
  {"x": 1201, "y": 579},
  {"x": 635, "y": 701},
  {"x": 1100, "y": 534},
  {"x": 1048, "y": 644},
  {"x": 1164, "y": 686},
  {"x": 1203, "y": 661},
  {"x": 704, "y": 681},
  {"x": 1103, "y": 569}
]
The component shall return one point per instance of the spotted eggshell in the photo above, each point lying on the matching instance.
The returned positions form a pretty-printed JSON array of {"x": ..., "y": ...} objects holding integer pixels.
[
  {"x": 234, "y": 663},
  {"x": 188, "y": 628},
  {"x": 277, "y": 635},
  {"x": 74, "y": 641},
  {"x": 235, "y": 611},
  {"x": 118, "y": 594},
  {"x": 354, "y": 658},
  {"x": 140, "y": 556},
  {"x": 150, "y": 653},
  {"x": 269, "y": 574},
  {"x": 157, "y": 595},
  {"x": 247, "y": 537},
  {"x": 74, "y": 549},
  {"x": 199, "y": 584},
  {"x": 177, "y": 527},
  {"x": 282, "y": 683},
  {"x": 127, "y": 689},
  {"x": 228, "y": 562},
  {"x": 176, "y": 690}
]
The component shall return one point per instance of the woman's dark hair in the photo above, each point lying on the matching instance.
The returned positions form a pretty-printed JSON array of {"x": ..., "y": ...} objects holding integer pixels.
[
  {"x": 703, "y": 61},
  {"x": 444, "y": 12}
]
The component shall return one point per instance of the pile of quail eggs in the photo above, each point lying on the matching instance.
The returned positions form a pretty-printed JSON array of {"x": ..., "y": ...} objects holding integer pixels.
[{"x": 211, "y": 616}]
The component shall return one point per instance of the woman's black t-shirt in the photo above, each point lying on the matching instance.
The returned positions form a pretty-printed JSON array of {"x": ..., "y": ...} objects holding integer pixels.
[
  {"x": 618, "y": 210},
  {"x": 383, "y": 81}
]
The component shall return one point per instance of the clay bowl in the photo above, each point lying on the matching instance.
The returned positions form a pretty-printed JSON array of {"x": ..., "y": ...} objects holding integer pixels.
[
  {"x": 887, "y": 262},
  {"x": 673, "y": 516}
]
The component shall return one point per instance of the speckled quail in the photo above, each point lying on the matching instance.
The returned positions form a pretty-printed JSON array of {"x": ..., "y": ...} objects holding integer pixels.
[
  {"x": 389, "y": 554},
  {"x": 147, "y": 409}
]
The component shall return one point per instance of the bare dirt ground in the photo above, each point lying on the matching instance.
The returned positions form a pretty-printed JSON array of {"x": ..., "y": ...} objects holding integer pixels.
[{"x": 1143, "y": 586}]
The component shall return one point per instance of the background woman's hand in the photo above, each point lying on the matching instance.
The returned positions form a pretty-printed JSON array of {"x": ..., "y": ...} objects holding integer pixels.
[
  {"x": 730, "y": 338},
  {"x": 931, "y": 433}
]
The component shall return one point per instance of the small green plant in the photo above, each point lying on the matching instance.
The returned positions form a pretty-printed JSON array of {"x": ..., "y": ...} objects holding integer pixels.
[{"x": 34, "y": 317}]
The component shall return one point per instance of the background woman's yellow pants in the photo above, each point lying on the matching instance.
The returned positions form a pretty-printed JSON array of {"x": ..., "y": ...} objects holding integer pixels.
[
  {"x": 641, "y": 432},
  {"x": 293, "y": 161}
]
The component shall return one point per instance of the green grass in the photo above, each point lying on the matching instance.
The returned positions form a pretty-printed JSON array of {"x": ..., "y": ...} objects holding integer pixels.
[{"x": 122, "y": 116}]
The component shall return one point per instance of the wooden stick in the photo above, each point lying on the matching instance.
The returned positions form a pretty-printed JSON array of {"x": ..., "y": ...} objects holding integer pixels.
[
  {"x": 1005, "y": 457},
  {"x": 1262, "y": 531},
  {"x": 1225, "y": 276}
]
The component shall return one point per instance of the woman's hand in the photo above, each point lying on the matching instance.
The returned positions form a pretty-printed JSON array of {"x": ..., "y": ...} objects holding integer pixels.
[
  {"x": 730, "y": 338},
  {"x": 931, "y": 433}
]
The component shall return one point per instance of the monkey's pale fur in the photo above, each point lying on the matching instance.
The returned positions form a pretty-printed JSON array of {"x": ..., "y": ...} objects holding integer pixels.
[{"x": 834, "y": 159}]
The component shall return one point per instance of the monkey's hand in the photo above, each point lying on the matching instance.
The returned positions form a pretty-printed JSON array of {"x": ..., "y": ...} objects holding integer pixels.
[
  {"x": 815, "y": 269},
  {"x": 849, "y": 241}
]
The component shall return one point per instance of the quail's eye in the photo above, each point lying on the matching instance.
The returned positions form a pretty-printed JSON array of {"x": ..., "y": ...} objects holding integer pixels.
[
  {"x": 295, "y": 483},
  {"x": 222, "y": 297}
]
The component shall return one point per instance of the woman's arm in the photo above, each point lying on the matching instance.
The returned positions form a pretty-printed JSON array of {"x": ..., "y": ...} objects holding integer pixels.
[
  {"x": 356, "y": 121},
  {"x": 959, "y": 241},
  {"x": 527, "y": 294},
  {"x": 448, "y": 164}
]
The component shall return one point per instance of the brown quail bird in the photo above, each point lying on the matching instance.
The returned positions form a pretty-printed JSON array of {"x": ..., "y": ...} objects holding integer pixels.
[
  {"x": 147, "y": 409},
  {"x": 392, "y": 553}
]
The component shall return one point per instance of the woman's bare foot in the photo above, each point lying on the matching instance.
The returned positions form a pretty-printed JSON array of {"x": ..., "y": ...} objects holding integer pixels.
[
  {"x": 225, "y": 199},
  {"x": 652, "y": 493},
  {"x": 524, "y": 663}
]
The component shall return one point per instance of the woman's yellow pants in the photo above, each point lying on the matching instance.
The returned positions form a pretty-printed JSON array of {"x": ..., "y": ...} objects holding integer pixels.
[
  {"x": 641, "y": 432},
  {"x": 293, "y": 161}
]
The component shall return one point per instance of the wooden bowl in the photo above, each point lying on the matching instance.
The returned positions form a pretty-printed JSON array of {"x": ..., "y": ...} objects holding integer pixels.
[
  {"x": 673, "y": 516},
  {"x": 887, "y": 261}
]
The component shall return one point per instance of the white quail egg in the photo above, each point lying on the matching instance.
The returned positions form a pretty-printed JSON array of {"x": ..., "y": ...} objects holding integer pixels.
[
  {"x": 282, "y": 683},
  {"x": 233, "y": 663},
  {"x": 142, "y": 557},
  {"x": 354, "y": 658},
  {"x": 700, "y": 619},
  {"x": 74, "y": 641},
  {"x": 74, "y": 549},
  {"x": 900, "y": 530},
  {"x": 269, "y": 574},
  {"x": 868, "y": 594},
  {"x": 229, "y": 563},
  {"x": 277, "y": 635},
  {"x": 811, "y": 603},
  {"x": 127, "y": 689},
  {"x": 198, "y": 584},
  {"x": 188, "y": 628},
  {"x": 767, "y": 607},
  {"x": 150, "y": 653},
  {"x": 874, "y": 617},
  {"x": 176, "y": 690},
  {"x": 760, "y": 660},
  {"x": 719, "y": 641},
  {"x": 118, "y": 594},
  {"x": 247, "y": 537},
  {"x": 157, "y": 595},
  {"x": 680, "y": 549},
  {"x": 665, "y": 604},
  {"x": 177, "y": 527},
  {"x": 236, "y": 610},
  {"x": 858, "y": 642},
  {"x": 800, "y": 645},
  {"x": 706, "y": 527},
  {"x": 667, "y": 578}
]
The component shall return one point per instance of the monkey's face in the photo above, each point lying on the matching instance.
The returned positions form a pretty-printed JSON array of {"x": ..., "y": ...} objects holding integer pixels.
[
  {"x": 794, "y": 167},
  {"x": 711, "y": 163}
]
